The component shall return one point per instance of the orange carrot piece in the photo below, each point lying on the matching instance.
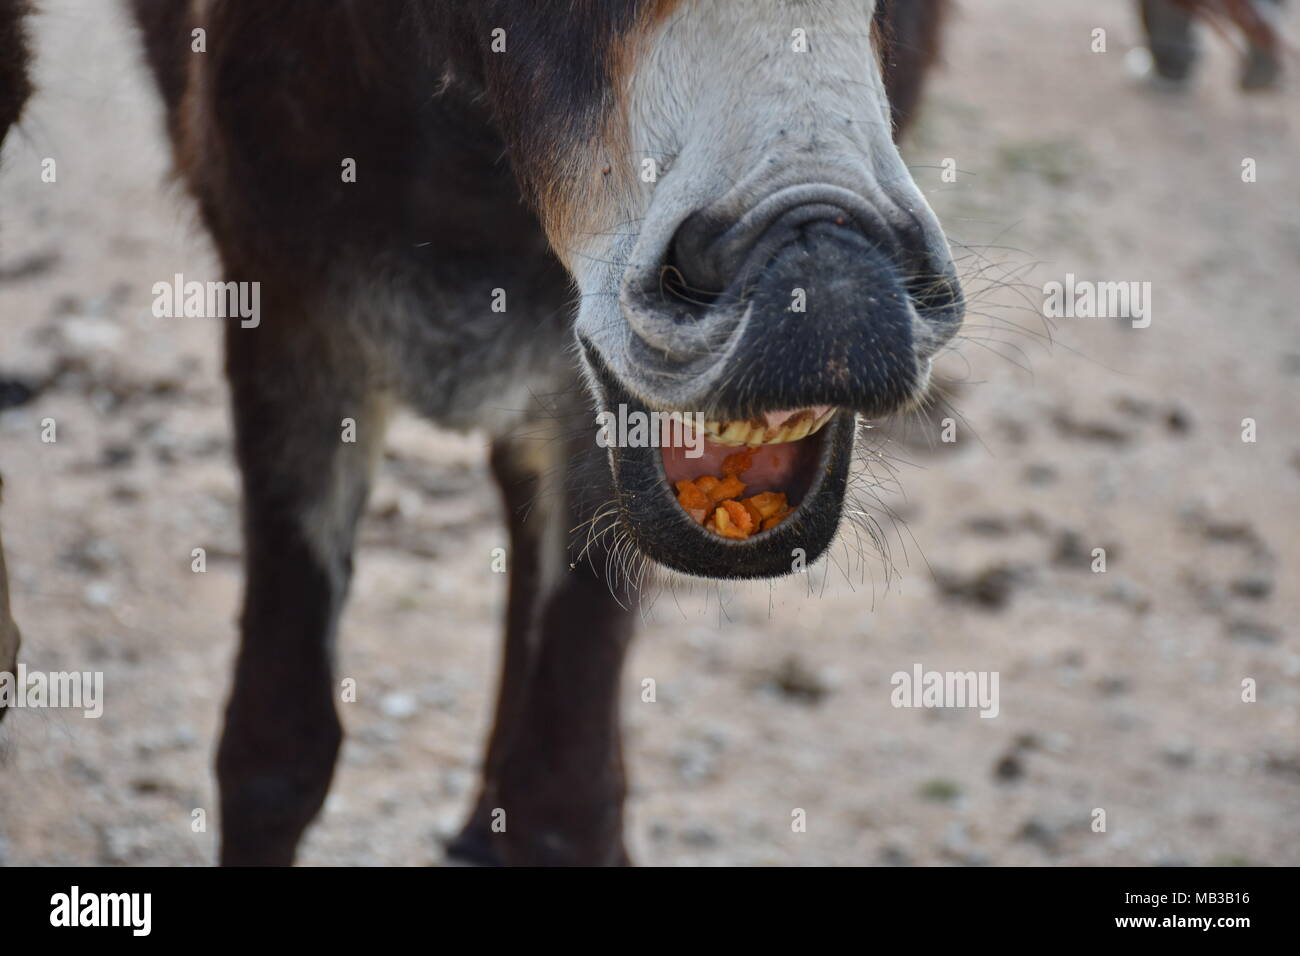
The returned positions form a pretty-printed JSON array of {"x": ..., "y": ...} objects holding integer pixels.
[
  {"x": 729, "y": 487},
  {"x": 735, "y": 465}
]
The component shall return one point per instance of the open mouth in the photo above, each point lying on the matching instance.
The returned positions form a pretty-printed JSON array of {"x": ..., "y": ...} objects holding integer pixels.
[
  {"x": 752, "y": 496},
  {"x": 741, "y": 478}
]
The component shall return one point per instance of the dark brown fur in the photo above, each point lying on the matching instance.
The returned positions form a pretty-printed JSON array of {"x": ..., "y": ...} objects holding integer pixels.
[
  {"x": 908, "y": 43},
  {"x": 15, "y": 59}
]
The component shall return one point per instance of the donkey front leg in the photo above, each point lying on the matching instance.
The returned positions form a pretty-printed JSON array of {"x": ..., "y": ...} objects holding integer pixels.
[
  {"x": 519, "y": 478},
  {"x": 554, "y": 782},
  {"x": 561, "y": 782},
  {"x": 305, "y": 470}
]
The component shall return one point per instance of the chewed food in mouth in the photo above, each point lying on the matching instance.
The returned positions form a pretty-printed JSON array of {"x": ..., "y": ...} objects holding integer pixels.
[{"x": 752, "y": 472}]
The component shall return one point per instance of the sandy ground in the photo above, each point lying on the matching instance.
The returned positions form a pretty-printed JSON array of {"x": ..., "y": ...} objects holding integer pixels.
[{"x": 1119, "y": 690}]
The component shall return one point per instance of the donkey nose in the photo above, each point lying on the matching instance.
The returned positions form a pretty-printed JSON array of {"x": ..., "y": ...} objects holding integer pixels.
[
  {"x": 725, "y": 263},
  {"x": 711, "y": 257},
  {"x": 721, "y": 247}
]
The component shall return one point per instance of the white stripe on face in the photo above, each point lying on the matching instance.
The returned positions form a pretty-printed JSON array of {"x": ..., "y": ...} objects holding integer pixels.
[{"x": 728, "y": 103}]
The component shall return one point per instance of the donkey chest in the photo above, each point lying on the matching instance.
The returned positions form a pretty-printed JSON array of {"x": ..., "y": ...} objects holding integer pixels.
[{"x": 469, "y": 343}]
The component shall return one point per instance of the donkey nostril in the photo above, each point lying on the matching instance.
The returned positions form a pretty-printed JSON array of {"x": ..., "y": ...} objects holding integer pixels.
[
  {"x": 714, "y": 259},
  {"x": 709, "y": 260},
  {"x": 674, "y": 284},
  {"x": 930, "y": 276},
  {"x": 933, "y": 293},
  {"x": 691, "y": 272}
]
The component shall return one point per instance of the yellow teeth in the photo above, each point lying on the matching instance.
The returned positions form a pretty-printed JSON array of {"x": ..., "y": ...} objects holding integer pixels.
[{"x": 755, "y": 431}]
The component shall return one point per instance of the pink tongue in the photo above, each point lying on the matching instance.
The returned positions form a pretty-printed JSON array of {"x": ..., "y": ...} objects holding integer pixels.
[{"x": 771, "y": 468}]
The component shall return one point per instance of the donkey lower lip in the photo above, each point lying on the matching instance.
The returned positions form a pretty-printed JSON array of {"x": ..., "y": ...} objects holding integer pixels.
[{"x": 813, "y": 471}]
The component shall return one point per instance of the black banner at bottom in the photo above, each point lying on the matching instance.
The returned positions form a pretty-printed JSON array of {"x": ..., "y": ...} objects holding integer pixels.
[{"x": 338, "y": 905}]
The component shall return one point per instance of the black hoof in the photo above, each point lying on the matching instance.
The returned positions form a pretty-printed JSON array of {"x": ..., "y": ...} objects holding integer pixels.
[{"x": 474, "y": 846}]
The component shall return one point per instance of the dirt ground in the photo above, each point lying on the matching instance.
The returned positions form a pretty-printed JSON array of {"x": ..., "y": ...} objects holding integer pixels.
[{"x": 1119, "y": 690}]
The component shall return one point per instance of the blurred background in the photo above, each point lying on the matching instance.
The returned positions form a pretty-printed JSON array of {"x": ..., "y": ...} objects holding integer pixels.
[{"x": 1119, "y": 690}]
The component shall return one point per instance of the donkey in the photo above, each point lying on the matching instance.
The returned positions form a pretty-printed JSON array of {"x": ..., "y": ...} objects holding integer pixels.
[
  {"x": 1171, "y": 37},
  {"x": 421, "y": 187}
]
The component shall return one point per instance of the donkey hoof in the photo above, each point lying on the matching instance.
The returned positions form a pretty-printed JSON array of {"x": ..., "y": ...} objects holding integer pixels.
[{"x": 473, "y": 846}]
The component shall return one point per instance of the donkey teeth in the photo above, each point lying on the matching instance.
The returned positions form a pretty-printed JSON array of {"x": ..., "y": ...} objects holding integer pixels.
[{"x": 739, "y": 432}]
